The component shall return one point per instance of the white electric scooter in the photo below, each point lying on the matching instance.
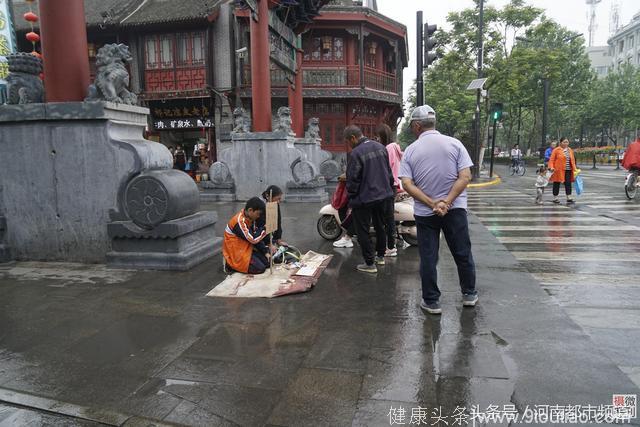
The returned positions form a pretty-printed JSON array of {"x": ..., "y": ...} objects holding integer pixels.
[{"x": 329, "y": 222}]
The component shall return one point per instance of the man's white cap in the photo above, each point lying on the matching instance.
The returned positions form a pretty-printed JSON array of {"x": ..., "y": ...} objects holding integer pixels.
[{"x": 422, "y": 112}]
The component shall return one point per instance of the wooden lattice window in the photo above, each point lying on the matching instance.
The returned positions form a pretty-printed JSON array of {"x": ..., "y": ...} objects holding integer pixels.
[{"x": 324, "y": 49}]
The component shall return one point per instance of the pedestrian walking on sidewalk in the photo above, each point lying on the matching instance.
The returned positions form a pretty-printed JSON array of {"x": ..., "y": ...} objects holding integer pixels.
[
  {"x": 369, "y": 185},
  {"x": 435, "y": 171},
  {"x": 563, "y": 164}
]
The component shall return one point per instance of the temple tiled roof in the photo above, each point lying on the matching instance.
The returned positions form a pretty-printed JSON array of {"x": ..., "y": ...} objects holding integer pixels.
[{"x": 133, "y": 12}]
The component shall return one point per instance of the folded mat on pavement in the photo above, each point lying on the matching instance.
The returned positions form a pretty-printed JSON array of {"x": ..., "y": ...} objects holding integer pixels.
[{"x": 286, "y": 279}]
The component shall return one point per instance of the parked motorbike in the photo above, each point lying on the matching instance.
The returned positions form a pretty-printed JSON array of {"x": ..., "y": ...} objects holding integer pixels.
[{"x": 329, "y": 222}]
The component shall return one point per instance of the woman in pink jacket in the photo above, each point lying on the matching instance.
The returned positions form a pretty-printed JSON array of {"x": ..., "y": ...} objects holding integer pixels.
[{"x": 384, "y": 136}]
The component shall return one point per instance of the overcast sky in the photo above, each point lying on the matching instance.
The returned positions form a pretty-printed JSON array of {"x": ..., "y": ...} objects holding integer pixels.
[{"x": 570, "y": 13}]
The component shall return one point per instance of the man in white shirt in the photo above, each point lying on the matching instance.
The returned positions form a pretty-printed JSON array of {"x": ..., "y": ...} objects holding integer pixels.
[{"x": 435, "y": 171}]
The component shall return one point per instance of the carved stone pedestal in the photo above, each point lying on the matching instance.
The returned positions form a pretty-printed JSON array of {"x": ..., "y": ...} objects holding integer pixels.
[
  {"x": 70, "y": 169},
  {"x": 307, "y": 184},
  {"x": 256, "y": 160},
  {"x": 220, "y": 187},
  {"x": 173, "y": 245}
]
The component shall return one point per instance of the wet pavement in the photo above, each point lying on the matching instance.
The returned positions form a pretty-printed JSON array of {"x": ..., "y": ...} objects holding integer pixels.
[{"x": 84, "y": 344}]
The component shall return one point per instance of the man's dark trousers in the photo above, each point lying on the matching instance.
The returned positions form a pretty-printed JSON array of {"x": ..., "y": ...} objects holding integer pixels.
[
  {"x": 362, "y": 218},
  {"x": 456, "y": 232}
]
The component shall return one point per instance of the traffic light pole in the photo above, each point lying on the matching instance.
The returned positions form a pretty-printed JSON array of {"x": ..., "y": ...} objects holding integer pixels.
[
  {"x": 419, "y": 71},
  {"x": 493, "y": 146}
]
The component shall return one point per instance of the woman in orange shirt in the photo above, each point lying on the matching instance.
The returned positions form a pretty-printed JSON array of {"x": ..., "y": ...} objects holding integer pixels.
[{"x": 563, "y": 165}]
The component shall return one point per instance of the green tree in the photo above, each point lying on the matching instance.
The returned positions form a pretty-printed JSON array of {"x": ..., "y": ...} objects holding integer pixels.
[{"x": 515, "y": 72}]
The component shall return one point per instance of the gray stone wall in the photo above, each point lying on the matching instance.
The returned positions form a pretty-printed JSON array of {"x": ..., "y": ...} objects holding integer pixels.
[{"x": 60, "y": 181}]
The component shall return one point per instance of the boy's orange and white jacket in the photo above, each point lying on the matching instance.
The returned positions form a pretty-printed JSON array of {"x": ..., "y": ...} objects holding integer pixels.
[{"x": 240, "y": 236}]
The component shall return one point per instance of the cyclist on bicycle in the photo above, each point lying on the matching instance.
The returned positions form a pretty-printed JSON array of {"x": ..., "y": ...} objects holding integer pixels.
[
  {"x": 631, "y": 160},
  {"x": 516, "y": 156}
]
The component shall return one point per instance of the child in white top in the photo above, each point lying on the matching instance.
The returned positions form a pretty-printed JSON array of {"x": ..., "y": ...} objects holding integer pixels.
[{"x": 542, "y": 180}]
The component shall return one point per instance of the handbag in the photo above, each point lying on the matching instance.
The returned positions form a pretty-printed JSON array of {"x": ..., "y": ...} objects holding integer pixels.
[
  {"x": 579, "y": 185},
  {"x": 340, "y": 198}
]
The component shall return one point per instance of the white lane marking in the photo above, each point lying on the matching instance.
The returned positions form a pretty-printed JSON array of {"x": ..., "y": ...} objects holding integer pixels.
[
  {"x": 563, "y": 227},
  {"x": 622, "y": 240},
  {"x": 549, "y": 208},
  {"x": 586, "y": 279},
  {"x": 555, "y": 220},
  {"x": 532, "y": 213},
  {"x": 613, "y": 204},
  {"x": 573, "y": 256}
]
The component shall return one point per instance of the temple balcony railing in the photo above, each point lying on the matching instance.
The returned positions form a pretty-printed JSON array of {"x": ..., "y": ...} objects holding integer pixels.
[{"x": 332, "y": 76}]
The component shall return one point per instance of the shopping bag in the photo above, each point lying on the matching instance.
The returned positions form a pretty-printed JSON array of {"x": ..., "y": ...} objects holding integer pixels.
[
  {"x": 340, "y": 197},
  {"x": 579, "y": 185}
]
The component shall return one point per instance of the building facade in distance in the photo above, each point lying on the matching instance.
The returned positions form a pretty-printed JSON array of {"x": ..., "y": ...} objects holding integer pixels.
[
  {"x": 600, "y": 60},
  {"x": 624, "y": 45}
]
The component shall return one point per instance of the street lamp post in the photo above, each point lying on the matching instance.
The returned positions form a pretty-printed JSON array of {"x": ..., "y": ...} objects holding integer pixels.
[
  {"x": 545, "y": 99},
  {"x": 545, "y": 94},
  {"x": 476, "y": 143},
  {"x": 419, "y": 70}
]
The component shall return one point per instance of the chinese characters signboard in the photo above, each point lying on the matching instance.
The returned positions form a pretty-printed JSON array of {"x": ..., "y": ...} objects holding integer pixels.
[
  {"x": 165, "y": 124},
  {"x": 283, "y": 42},
  {"x": 7, "y": 36},
  {"x": 182, "y": 114}
]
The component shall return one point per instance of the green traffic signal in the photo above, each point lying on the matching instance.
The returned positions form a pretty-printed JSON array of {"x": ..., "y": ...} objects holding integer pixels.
[{"x": 496, "y": 111}]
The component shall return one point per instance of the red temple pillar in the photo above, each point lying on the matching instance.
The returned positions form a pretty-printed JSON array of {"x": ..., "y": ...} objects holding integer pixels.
[
  {"x": 296, "y": 100},
  {"x": 260, "y": 70},
  {"x": 64, "y": 50}
]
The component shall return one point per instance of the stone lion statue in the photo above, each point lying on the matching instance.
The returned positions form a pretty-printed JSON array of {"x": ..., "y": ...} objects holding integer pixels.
[
  {"x": 23, "y": 83},
  {"x": 283, "y": 123},
  {"x": 313, "y": 129},
  {"x": 241, "y": 121},
  {"x": 112, "y": 77}
]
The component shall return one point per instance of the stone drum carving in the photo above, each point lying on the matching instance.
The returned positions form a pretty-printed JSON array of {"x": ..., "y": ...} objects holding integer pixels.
[
  {"x": 112, "y": 78},
  {"x": 23, "y": 83},
  {"x": 313, "y": 130},
  {"x": 157, "y": 196},
  {"x": 284, "y": 120},
  {"x": 330, "y": 169},
  {"x": 219, "y": 173},
  {"x": 303, "y": 171},
  {"x": 241, "y": 121}
]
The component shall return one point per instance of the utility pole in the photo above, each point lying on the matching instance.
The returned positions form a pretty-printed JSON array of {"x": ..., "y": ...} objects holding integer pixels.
[
  {"x": 476, "y": 144},
  {"x": 519, "y": 123},
  {"x": 419, "y": 65}
]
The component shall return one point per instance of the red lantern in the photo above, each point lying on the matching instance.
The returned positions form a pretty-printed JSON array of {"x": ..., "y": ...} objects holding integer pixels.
[
  {"x": 33, "y": 37},
  {"x": 31, "y": 17}
]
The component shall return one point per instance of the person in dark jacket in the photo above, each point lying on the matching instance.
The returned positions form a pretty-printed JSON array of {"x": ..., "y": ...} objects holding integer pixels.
[{"x": 369, "y": 184}]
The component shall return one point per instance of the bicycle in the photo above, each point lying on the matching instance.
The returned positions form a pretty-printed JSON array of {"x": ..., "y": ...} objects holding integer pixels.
[
  {"x": 631, "y": 184},
  {"x": 518, "y": 168}
]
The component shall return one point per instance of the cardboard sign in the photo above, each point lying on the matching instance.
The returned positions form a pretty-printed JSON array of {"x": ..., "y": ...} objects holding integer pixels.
[{"x": 271, "y": 222}]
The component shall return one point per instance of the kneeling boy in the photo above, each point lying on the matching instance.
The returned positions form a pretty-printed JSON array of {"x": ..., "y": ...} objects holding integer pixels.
[{"x": 243, "y": 248}]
